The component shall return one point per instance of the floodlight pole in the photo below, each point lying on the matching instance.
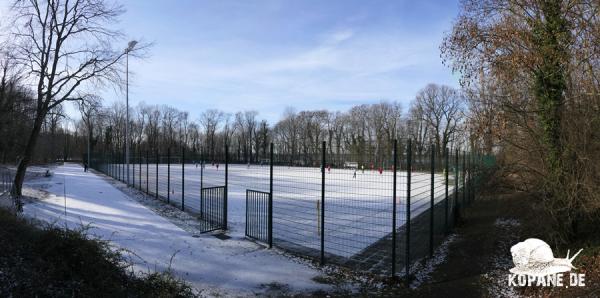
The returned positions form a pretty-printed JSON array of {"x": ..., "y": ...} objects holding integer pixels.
[{"x": 129, "y": 48}]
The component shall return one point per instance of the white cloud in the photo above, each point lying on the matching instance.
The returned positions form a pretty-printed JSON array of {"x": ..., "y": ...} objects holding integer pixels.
[
  {"x": 340, "y": 36},
  {"x": 342, "y": 68}
]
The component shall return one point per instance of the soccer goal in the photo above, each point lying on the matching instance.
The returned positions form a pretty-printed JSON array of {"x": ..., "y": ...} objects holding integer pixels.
[{"x": 351, "y": 165}]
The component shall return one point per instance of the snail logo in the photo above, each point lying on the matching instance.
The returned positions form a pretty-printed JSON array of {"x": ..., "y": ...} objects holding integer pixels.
[{"x": 536, "y": 265}]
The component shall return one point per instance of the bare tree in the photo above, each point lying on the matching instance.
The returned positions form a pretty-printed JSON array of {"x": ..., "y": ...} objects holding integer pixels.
[
  {"x": 417, "y": 128},
  {"x": 210, "y": 120},
  {"x": 442, "y": 110},
  {"x": 65, "y": 45}
]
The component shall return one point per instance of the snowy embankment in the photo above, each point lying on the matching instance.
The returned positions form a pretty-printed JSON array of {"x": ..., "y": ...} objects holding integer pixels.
[{"x": 214, "y": 266}]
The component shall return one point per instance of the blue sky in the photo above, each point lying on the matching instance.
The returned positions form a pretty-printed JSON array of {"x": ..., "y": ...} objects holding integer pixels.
[{"x": 266, "y": 55}]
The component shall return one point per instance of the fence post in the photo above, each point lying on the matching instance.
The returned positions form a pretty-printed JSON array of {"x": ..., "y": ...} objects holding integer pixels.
[
  {"x": 182, "y": 178},
  {"x": 468, "y": 176},
  {"x": 169, "y": 174},
  {"x": 139, "y": 164},
  {"x": 118, "y": 165},
  {"x": 464, "y": 186},
  {"x": 271, "y": 196},
  {"x": 226, "y": 186},
  {"x": 394, "y": 209},
  {"x": 323, "y": 203},
  {"x": 132, "y": 162},
  {"x": 147, "y": 170},
  {"x": 140, "y": 167},
  {"x": 156, "y": 178},
  {"x": 456, "y": 177},
  {"x": 431, "y": 200},
  {"x": 446, "y": 189},
  {"x": 472, "y": 176},
  {"x": 201, "y": 183},
  {"x": 122, "y": 167},
  {"x": 407, "y": 224}
]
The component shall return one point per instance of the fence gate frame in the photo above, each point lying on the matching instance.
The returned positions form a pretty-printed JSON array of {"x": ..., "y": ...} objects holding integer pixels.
[
  {"x": 212, "y": 216},
  {"x": 259, "y": 210},
  {"x": 258, "y": 227}
]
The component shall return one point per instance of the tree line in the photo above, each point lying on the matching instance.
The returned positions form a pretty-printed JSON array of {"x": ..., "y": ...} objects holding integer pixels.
[{"x": 363, "y": 133}]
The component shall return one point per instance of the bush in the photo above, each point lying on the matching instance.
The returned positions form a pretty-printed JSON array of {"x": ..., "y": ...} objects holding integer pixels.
[{"x": 51, "y": 262}]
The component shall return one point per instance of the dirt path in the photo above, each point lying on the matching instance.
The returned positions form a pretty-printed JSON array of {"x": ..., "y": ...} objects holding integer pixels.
[{"x": 479, "y": 258}]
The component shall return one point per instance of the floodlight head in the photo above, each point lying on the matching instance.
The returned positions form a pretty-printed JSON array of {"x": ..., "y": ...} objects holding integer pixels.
[{"x": 130, "y": 46}]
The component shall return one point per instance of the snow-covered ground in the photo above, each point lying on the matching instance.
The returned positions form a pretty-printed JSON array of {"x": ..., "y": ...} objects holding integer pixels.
[
  {"x": 229, "y": 267},
  {"x": 358, "y": 211}
]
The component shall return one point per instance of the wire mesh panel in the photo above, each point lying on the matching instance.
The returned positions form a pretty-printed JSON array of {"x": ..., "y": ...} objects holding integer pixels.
[
  {"x": 257, "y": 215},
  {"x": 176, "y": 185},
  {"x": 152, "y": 174},
  {"x": 420, "y": 202},
  {"x": 6, "y": 180},
  {"x": 438, "y": 214},
  {"x": 359, "y": 207},
  {"x": 164, "y": 176},
  {"x": 191, "y": 182},
  {"x": 297, "y": 200},
  {"x": 400, "y": 236}
]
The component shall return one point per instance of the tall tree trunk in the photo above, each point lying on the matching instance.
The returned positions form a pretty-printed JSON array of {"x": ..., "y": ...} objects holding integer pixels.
[
  {"x": 27, "y": 155},
  {"x": 551, "y": 34}
]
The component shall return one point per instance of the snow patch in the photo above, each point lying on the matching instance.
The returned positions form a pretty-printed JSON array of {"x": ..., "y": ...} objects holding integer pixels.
[
  {"x": 506, "y": 222},
  {"x": 502, "y": 262},
  {"x": 424, "y": 269},
  {"x": 235, "y": 267}
]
